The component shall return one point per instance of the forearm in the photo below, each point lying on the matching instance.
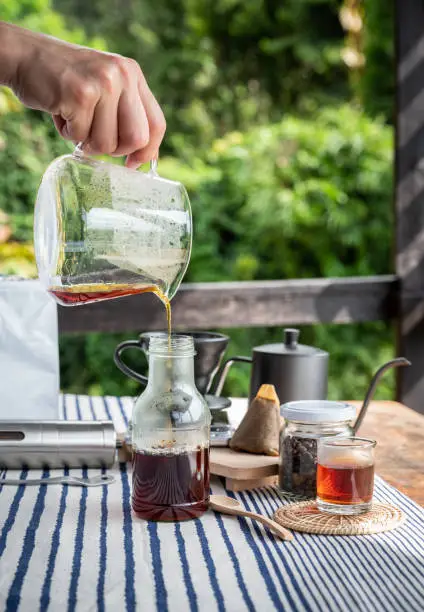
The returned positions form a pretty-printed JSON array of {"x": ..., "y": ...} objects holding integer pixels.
[
  {"x": 101, "y": 99},
  {"x": 11, "y": 53}
]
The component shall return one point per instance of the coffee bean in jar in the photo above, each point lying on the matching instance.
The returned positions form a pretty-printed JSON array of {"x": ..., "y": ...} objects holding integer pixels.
[{"x": 305, "y": 422}]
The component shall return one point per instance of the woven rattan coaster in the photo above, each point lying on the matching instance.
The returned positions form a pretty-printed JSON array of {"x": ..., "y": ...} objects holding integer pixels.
[{"x": 304, "y": 516}]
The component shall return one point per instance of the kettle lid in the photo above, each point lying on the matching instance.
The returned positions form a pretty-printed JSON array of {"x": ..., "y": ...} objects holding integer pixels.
[{"x": 290, "y": 346}]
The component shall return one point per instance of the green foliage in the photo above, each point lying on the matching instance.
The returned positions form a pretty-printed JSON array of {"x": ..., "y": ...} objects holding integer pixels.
[
  {"x": 286, "y": 181},
  {"x": 301, "y": 198},
  {"x": 377, "y": 84},
  {"x": 39, "y": 15},
  {"x": 221, "y": 65},
  {"x": 23, "y": 166}
]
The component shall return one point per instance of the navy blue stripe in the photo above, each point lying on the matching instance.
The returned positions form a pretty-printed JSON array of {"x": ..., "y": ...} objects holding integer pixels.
[
  {"x": 364, "y": 543},
  {"x": 408, "y": 565},
  {"x": 269, "y": 581},
  {"x": 365, "y": 579},
  {"x": 276, "y": 544},
  {"x": 380, "y": 578},
  {"x": 210, "y": 565},
  {"x": 265, "y": 539},
  {"x": 351, "y": 572},
  {"x": 107, "y": 409},
  {"x": 331, "y": 549},
  {"x": 389, "y": 578},
  {"x": 3, "y": 475},
  {"x": 415, "y": 514},
  {"x": 103, "y": 534},
  {"x": 396, "y": 556},
  {"x": 348, "y": 572},
  {"x": 14, "y": 596},
  {"x": 65, "y": 409},
  {"x": 191, "y": 593},
  {"x": 413, "y": 538},
  {"x": 11, "y": 517},
  {"x": 79, "y": 415},
  {"x": 313, "y": 546},
  {"x": 130, "y": 597},
  {"x": 315, "y": 552},
  {"x": 45, "y": 591},
  {"x": 380, "y": 566},
  {"x": 292, "y": 553},
  {"x": 160, "y": 589},
  {"x": 236, "y": 564},
  {"x": 78, "y": 548},
  {"x": 123, "y": 413},
  {"x": 90, "y": 403},
  {"x": 103, "y": 550}
]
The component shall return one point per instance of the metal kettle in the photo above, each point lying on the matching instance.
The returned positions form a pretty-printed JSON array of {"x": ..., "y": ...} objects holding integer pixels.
[{"x": 297, "y": 371}]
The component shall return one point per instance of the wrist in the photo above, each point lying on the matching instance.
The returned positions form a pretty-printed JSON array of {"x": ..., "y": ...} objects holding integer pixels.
[{"x": 12, "y": 53}]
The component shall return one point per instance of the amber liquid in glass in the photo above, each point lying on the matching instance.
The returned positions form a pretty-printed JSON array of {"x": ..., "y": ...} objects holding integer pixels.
[
  {"x": 170, "y": 486},
  {"x": 348, "y": 484},
  {"x": 96, "y": 292}
]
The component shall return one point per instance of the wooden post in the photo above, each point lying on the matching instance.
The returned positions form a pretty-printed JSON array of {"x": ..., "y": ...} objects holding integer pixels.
[{"x": 409, "y": 198}]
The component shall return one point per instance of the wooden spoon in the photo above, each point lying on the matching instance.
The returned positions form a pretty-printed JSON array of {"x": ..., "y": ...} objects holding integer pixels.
[{"x": 228, "y": 505}]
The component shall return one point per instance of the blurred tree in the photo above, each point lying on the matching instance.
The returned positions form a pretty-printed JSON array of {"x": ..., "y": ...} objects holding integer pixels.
[
  {"x": 218, "y": 65},
  {"x": 299, "y": 198},
  {"x": 285, "y": 182},
  {"x": 377, "y": 85}
]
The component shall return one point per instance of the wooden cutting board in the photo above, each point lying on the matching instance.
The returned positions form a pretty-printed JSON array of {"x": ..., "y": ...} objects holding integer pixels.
[{"x": 243, "y": 470}]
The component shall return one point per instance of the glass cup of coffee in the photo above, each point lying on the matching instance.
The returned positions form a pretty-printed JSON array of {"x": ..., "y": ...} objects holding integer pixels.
[{"x": 345, "y": 475}]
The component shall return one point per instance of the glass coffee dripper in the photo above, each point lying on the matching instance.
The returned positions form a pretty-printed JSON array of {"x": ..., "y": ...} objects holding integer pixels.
[{"x": 103, "y": 231}]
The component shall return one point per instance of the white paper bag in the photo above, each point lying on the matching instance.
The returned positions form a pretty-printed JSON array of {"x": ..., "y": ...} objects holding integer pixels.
[{"x": 29, "y": 356}]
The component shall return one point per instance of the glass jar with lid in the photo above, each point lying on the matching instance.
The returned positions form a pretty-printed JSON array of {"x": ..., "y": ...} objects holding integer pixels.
[
  {"x": 170, "y": 436},
  {"x": 305, "y": 423}
]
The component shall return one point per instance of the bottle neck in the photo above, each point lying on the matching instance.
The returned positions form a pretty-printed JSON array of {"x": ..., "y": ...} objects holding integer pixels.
[{"x": 170, "y": 373}]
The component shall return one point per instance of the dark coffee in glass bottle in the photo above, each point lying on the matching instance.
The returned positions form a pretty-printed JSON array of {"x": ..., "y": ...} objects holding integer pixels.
[{"x": 170, "y": 436}]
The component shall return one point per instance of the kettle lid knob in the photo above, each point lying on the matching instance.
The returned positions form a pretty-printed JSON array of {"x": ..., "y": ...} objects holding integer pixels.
[{"x": 291, "y": 337}]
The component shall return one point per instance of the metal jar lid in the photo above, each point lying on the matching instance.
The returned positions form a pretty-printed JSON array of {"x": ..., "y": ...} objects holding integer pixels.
[
  {"x": 318, "y": 411},
  {"x": 290, "y": 347}
]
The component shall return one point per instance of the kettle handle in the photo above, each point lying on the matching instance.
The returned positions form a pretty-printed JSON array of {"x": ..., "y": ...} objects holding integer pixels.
[
  {"x": 394, "y": 363},
  {"x": 226, "y": 368},
  {"x": 123, "y": 366}
]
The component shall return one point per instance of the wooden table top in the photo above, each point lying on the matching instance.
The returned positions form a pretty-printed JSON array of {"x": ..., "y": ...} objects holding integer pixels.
[{"x": 399, "y": 432}]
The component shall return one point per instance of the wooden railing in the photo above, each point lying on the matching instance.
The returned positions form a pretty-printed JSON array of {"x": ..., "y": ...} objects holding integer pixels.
[
  {"x": 399, "y": 297},
  {"x": 244, "y": 304}
]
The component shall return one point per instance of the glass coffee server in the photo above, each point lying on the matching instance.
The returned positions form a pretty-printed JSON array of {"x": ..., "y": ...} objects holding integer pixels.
[{"x": 103, "y": 231}]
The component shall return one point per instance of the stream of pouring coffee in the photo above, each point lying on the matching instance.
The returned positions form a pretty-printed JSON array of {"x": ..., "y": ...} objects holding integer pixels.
[{"x": 96, "y": 292}]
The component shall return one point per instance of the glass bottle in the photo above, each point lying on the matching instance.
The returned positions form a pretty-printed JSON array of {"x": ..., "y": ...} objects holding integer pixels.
[{"x": 170, "y": 436}]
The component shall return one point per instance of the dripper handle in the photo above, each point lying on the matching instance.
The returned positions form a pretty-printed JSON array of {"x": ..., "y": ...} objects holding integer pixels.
[{"x": 117, "y": 357}]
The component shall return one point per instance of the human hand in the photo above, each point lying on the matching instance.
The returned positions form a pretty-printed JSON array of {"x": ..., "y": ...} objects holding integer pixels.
[{"x": 99, "y": 99}]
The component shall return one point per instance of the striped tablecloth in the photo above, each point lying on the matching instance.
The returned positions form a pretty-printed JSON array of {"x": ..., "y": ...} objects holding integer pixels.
[{"x": 68, "y": 548}]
